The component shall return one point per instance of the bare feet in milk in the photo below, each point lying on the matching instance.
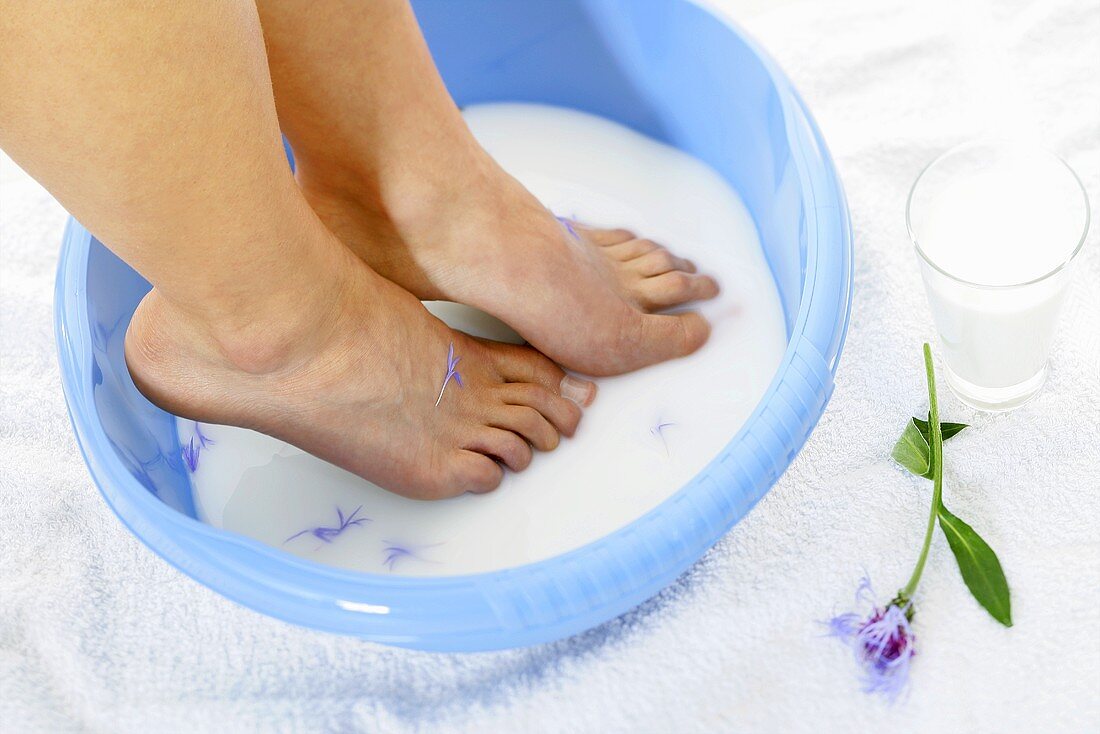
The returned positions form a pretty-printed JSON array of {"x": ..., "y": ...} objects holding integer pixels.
[
  {"x": 585, "y": 297},
  {"x": 365, "y": 378},
  {"x": 387, "y": 161}
]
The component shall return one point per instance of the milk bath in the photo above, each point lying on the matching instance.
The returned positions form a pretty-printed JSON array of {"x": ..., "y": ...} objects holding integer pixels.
[
  {"x": 995, "y": 233},
  {"x": 647, "y": 434}
]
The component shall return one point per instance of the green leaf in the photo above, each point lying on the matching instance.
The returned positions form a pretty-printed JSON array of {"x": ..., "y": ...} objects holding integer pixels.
[
  {"x": 913, "y": 448},
  {"x": 947, "y": 429},
  {"x": 979, "y": 566},
  {"x": 912, "y": 452}
]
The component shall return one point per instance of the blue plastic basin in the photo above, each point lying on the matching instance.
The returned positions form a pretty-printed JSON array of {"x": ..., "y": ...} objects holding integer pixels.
[{"x": 667, "y": 68}]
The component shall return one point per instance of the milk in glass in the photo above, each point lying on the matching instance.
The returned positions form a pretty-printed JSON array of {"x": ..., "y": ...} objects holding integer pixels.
[{"x": 996, "y": 226}]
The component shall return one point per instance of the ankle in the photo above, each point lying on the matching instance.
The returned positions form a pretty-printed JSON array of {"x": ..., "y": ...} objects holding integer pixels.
[
  {"x": 404, "y": 192},
  {"x": 271, "y": 328}
]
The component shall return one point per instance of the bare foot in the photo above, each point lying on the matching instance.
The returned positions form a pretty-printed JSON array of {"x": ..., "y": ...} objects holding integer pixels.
[
  {"x": 473, "y": 234},
  {"x": 370, "y": 381}
]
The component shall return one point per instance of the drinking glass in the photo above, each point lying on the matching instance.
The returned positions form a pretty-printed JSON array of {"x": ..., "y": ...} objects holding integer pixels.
[{"x": 997, "y": 226}]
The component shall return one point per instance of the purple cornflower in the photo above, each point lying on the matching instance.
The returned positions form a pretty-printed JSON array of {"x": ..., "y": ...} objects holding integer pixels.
[
  {"x": 882, "y": 641},
  {"x": 326, "y": 534},
  {"x": 452, "y": 372},
  {"x": 568, "y": 224},
  {"x": 394, "y": 552},
  {"x": 191, "y": 451},
  {"x": 659, "y": 431}
]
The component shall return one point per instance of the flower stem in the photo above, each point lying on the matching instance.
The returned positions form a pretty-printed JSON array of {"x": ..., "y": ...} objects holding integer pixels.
[{"x": 935, "y": 452}]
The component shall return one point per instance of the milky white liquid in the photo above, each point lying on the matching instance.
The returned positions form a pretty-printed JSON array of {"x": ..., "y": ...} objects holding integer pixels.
[
  {"x": 618, "y": 466},
  {"x": 1003, "y": 221}
]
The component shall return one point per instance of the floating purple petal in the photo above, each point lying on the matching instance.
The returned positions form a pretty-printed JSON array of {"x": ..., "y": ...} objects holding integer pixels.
[
  {"x": 191, "y": 451},
  {"x": 659, "y": 431},
  {"x": 394, "y": 552},
  {"x": 326, "y": 534},
  {"x": 204, "y": 440},
  {"x": 190, "y": 454}
]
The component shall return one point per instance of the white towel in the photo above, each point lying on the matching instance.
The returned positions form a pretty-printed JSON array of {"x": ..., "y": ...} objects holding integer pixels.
[{"x": 99, "y": 634}]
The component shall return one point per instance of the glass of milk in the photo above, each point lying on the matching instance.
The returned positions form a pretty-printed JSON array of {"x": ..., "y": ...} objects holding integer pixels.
[{"x": 997, "y": 226}]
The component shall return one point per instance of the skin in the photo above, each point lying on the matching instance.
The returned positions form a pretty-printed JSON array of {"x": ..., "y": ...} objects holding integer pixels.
[
  {"x": 155, "y": 125},
  {"x": 386, "y": 160}
]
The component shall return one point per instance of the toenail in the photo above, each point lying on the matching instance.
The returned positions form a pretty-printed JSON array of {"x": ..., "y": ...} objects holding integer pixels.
[{"x": 580, "y": 392}]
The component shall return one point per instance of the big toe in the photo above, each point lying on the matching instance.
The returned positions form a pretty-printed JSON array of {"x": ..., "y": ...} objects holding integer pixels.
[
  {"x": 645, "y": 339},
  {"x": 661, "y": 337}
]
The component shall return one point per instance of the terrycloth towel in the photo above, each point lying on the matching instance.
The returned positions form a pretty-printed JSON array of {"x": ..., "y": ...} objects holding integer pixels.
[{"x": 98, "y": 634}]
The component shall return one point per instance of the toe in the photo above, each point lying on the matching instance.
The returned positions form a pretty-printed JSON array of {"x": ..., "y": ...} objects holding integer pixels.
[
  {"x": 605, "y": 237},
  {"x": 563, "y": 414},
  {"x": 504, "y": 446},
  {"x": 658, "y": 262},
  {"x": 577, "y": 390},
  {"x": 475, "y": 472},
  {"x": 523, "y": 364},
  {"x": 631, "y": 249},
  {"x": 674, "y": 288},
  {"x": 661, "y": 337},
  {"x": 528, "y": 423}
]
